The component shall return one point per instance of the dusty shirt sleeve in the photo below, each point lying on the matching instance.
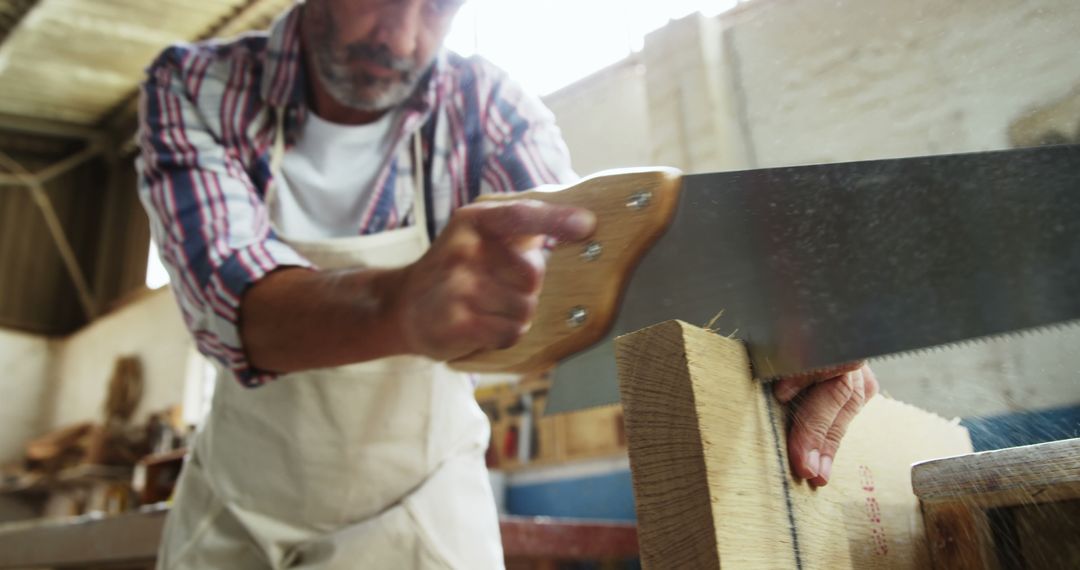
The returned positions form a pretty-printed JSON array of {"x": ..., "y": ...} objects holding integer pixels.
[{"x": 210, "y": 224}]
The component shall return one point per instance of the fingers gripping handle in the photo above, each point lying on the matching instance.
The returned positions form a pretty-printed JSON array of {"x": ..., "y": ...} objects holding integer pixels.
[{"x": 584, "y": 281}]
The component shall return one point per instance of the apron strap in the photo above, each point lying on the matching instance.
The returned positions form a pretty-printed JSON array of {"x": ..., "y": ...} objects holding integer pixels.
[
  {"x": 419, "y": 208},
  {"x": 277, "y": 156}
]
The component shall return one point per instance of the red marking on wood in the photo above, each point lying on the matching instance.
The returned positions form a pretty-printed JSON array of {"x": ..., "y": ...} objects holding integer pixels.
[
  {"x": 866, "y": 478},
  {"x": 873, "y": 512}
]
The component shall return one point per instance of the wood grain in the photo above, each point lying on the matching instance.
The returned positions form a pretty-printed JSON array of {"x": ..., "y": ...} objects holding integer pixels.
[
  {"x": 1031, "y": 474},
  {"x": 1008, "y": 508},
  {"x": 623, "y": 232},
  {"x": 709, "y": 462},
  {"x": 958, "y": 537}
]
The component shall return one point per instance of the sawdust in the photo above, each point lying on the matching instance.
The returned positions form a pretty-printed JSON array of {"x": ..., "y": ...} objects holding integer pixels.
[{"x": 711, "y": 326}]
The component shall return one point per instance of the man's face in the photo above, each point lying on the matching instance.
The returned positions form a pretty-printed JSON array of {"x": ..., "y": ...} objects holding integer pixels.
[{"x": 370, "y": 54}]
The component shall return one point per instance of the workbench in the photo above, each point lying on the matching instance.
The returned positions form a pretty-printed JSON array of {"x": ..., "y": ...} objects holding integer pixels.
[{"x": 130, "y": 541}]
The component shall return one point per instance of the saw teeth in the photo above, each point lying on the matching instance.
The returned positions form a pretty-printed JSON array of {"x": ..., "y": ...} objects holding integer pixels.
[{"x": 980, "y": 340}]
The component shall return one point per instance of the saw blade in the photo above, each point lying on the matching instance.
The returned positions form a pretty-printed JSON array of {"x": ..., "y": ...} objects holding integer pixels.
[{"x": 813, "y": 266}]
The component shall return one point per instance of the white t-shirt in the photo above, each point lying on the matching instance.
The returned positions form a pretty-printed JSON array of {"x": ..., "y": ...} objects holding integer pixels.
[{"x": 328, "y": 177}]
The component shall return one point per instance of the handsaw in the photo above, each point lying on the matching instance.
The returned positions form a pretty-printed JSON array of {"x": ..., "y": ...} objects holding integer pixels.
[{"x": 811, "y": 266}]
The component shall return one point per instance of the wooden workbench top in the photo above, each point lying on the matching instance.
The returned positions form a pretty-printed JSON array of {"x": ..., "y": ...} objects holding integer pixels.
[{"x": 132, "y": 539}]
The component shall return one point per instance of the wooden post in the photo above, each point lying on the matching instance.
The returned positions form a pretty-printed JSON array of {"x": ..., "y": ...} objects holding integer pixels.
[{"x": 713, "y": 488}]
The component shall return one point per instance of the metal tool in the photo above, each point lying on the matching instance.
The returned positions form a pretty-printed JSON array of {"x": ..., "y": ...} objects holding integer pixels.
[{"x": 819, "y": 265}]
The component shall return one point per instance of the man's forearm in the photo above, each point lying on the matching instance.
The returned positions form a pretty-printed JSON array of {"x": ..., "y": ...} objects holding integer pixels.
[
  {"x": 475, "y": 289},
  {"x": 298, "y": 319}
]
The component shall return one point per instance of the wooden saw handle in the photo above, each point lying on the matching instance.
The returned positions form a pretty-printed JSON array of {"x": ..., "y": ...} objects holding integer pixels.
[{"x": 584, "y": 281}]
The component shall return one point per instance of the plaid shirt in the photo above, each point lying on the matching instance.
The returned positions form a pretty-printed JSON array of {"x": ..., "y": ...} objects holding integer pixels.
[{"x": 207, "y": 123}]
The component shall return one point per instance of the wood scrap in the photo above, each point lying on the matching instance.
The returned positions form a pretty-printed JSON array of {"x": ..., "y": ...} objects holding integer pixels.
[
  {"x": 125, "y": 391},
  {"x": 49, "y": 447}
]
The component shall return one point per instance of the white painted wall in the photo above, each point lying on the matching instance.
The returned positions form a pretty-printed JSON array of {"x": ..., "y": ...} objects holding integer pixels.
[
  {"x": 150, "y": 328},
  {"x": 828, "y": 81},
  {"x": 605, "y": 118},
  {"x": 49, "y": 383},
  {"x": 781, "y": 82},
  {"x": 27, "y": 392}
]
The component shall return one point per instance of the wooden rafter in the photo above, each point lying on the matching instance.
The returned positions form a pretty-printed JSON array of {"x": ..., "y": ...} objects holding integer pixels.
[
  {"x": 11, "y": 13},
  {"x": 251, "y": 15},
  {"x": 48, "y": 128},
  {"x": 52, "y": 221}
]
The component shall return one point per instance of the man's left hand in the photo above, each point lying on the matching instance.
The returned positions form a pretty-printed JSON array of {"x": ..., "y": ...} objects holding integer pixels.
[{"x": 824, "y": 405}]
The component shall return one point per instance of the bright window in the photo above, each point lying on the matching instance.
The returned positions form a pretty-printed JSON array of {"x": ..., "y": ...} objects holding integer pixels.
[
  {"x": 548, "y": 45},
  {"x": 156, "y": 276}
]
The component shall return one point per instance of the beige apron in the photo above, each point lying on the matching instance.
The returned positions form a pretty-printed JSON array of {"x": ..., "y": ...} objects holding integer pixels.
[{"x": 373, "y": 465}]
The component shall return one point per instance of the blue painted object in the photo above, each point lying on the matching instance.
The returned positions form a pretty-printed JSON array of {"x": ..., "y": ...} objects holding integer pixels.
[
  {"x": 1023, "y": 428},
  {"x": 607, "y": 496}
]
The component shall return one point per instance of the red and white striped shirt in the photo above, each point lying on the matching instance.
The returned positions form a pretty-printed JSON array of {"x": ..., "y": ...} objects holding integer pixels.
[{"x": 206, "y": 131}]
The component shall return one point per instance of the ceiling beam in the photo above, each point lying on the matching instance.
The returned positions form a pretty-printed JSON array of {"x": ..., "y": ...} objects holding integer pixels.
[
  {"x": 58, "y": 168},
  {"x": 56, "y": 229},
  {"x": 11, "y": 13},
  {"x": 250, "y": 15},
  {"x": 49, "y": 128}
]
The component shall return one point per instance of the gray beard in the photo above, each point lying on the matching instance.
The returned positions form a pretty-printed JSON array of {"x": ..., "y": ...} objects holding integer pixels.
[{"x": 365, "y": 92}]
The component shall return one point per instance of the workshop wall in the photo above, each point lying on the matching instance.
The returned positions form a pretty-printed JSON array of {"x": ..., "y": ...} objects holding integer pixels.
[
  {"x": 149, "y": 327},
  {"x": 785, "y": 82},
  {"x": 615, "y": 100},
  {"x": 826, "y": 81},
  {"x": 24, "y": 360}
]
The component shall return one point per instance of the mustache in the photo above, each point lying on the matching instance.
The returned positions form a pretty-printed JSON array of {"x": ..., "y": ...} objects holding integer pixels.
[{"x": 380, "y": 55}]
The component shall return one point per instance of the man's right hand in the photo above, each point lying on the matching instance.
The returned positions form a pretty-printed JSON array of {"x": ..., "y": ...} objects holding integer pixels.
[{"x": 477, "y": 287}]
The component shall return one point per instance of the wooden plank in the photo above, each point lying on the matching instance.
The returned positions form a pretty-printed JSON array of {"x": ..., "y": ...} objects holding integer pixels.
[
  {"x": 1041, "y": 473},
  {"x": 49, "y": 128},
  {"x": 708, "y": 454},
  {"x": 996, "y": 509}
]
